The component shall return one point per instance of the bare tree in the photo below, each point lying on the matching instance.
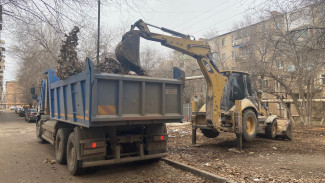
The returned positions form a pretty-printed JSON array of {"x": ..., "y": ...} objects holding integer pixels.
[
  {"x": 150, "y": 58},
  {"x": 287, "y": 47},
  {"x": 110, "y": 37}
]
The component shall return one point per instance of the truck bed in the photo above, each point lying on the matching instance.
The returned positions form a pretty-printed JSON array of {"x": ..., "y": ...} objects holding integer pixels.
[{"x": 91, "y": 98}]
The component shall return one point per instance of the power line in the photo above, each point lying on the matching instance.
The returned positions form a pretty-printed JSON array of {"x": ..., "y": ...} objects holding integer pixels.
[
  {"x": 228, "y": 18},
  {"x": 213, "y": 15},
  {"x": 218, "y": 5}
]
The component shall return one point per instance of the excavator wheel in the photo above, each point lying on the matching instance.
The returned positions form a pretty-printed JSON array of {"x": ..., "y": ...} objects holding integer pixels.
[
  {"x": 210, "y": 133},
  {"x": 249, "y": 125},
  {"x": 271, "y": 129}
]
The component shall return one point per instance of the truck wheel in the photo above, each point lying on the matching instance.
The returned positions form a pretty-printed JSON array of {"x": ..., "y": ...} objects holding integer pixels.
[
  {"x": 74, "y": 165},
  {"x": 249, "y": 125},
  {"x": 271, "y": 129},
  {"x": 39, "y": 132},
  {"x": 210, "y": 133},
  {"x": 61, "y": 141}
]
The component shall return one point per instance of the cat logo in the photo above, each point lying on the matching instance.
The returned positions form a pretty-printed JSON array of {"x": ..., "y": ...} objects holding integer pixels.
[{"x": 208, "y": 67}]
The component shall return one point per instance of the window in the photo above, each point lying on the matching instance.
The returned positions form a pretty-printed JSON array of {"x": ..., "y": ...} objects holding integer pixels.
[
  {"x": 245, "y": 52},
  {"x": 223, "y": 41},
  {"x": 280, "y": 106},
  {"x": 280, "y": 65},
  {"x": 215, "y": 56},
  {"x": 233, "y": 39},
  {"x": 279, "y": 24},
  {"x": 233, "y": 55},
  {"x": 299, "y": 34},
  {"x": 265, "y": 83},
  {"x": 249, "y": 86},
  {"x": 223, "y": 57},
  {"x": 278, "y": 86},
  {"x": 238, "y": 87},
  {"x": 322, "y": 78},
  {"x": 291, "y": 68}
]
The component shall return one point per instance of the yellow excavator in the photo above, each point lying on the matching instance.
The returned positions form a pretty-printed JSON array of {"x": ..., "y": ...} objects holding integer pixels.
[{"x": 230, "y": 102}]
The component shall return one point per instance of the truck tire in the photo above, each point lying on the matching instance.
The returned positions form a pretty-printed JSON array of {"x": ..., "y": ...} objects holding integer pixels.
[
  {"x": 271, "y": 129},
  {"x": 39, "y": 132},
  {"x": 249, "y": 125},
  {"x": 61, "y": 141},
  {"x": 74, "y": 165},
  {"x": 210, "y": 133}
]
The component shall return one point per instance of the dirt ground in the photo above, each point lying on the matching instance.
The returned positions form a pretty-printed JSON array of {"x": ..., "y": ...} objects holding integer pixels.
[
  {"x": 263, "y": 160},
  {"x": 24, "y": 160}
]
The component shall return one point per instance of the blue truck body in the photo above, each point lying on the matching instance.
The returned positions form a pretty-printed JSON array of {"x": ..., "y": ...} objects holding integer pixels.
[{"x": 91, "y": 98}]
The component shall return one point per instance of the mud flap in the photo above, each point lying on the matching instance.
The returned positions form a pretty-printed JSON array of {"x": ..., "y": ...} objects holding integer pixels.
[{"x": 154, "y": 146}]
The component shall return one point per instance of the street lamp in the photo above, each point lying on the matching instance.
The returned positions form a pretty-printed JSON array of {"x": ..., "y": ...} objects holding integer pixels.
[{"x": 98, "y": 33}]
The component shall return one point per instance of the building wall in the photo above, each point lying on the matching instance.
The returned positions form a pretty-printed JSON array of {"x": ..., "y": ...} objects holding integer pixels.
[
  {"x": 1, "y": 80},
  {"x": 14, "y": 95}
]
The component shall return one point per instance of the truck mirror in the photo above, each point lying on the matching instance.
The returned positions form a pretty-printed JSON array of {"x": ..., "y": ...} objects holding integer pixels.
[
  {"x": 34, "y": 96},
  {"x": 178, "y": 73},
  {"x": 32, "y": 90}
]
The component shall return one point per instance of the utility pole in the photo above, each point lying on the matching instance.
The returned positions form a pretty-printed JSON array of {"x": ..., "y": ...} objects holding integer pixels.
[{"x": 98, "y": 33}]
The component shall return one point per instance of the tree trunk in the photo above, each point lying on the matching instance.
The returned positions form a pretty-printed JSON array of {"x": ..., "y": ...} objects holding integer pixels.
[
  {"x": 298, "y": 109},
  {"x": 323, "y": 118}
]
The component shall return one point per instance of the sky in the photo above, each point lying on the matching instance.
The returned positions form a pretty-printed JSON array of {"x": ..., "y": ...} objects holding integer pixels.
[{"x": 193, "y": 17}]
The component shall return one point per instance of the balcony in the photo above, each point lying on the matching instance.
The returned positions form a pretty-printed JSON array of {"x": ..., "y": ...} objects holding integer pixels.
[{"x": 240, "y": 42}]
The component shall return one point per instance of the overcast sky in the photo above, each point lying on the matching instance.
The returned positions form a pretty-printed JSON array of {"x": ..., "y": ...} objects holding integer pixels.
[{"x": 194, "y": 17}]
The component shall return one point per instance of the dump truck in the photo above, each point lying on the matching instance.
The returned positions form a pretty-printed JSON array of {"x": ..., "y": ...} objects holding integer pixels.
[
  {"x": 96, "y": 119},
  {"x": 231, "y": 103}
]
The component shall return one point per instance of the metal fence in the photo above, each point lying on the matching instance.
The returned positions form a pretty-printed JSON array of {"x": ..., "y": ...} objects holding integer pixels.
[{"x": 187, "y": 112}]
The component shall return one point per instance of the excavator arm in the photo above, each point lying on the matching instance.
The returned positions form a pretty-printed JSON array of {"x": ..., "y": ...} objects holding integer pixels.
[{"x": 127, "y": 52}]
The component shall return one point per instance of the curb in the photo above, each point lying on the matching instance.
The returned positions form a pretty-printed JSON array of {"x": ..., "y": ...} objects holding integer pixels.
[{"x": 196, "y": 171}]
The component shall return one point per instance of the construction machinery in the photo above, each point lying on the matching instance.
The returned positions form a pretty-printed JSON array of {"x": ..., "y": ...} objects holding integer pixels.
[{"x": 231, "y": 105}]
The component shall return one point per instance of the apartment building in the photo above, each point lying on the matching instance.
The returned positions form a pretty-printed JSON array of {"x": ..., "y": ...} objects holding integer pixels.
[{"x": 14, "y": 94}]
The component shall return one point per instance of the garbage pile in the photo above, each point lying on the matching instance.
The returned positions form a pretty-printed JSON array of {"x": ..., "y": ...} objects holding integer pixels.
[
  {"x": 70, "y": 65},
  {"x": 110, "y": 65}
]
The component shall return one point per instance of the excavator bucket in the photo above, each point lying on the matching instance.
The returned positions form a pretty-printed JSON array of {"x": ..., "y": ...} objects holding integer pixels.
[
  {"x": 127, "y": 51},
  {"x": 284, "y": 129}
]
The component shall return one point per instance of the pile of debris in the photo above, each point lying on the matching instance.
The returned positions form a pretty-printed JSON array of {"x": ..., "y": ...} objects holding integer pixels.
[
  {"x": 68, "y": 60},
  {"x": 110, "y": 65},
  {"x": 70, "y": 65}
]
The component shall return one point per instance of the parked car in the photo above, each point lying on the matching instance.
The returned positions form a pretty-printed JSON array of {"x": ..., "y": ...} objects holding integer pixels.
[
  {"x": 12, "y": 108},
  {"x": 32, "y": 115},
  {"x": 21, "y": 112},
  {"x": 18, "y": 110},
  {"x": 27, "y": 111}
]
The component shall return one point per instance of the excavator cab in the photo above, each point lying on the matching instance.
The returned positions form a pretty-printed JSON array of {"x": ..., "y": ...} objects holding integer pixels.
[{"x": 238, "y": 87}]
